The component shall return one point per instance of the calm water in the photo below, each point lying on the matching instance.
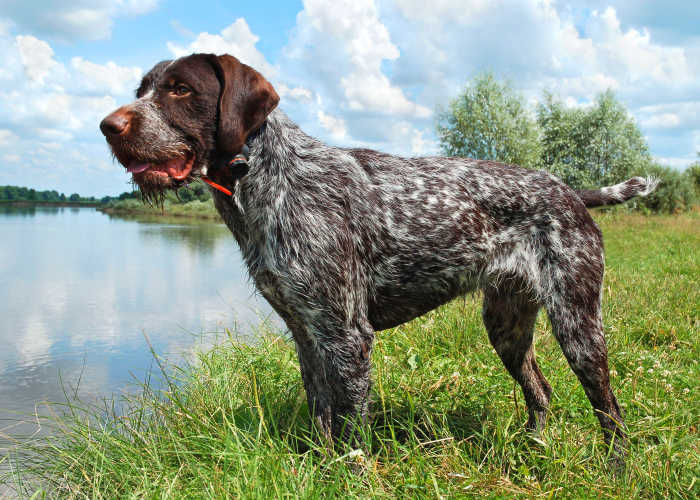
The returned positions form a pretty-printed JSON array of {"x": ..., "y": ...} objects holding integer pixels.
[{"x": 78, "y": 290}]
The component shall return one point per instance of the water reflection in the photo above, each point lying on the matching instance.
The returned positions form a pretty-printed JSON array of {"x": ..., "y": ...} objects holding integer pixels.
[
  {"x": 198, "y": 237},
  {"x": 20, "y": 210},
  {"x": 78, "y": 290}
]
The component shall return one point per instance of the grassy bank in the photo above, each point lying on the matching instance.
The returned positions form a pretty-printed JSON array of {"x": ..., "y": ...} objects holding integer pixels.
[
  {"x": 195, "y": 209},
  {"x": 446, "y": 420}
]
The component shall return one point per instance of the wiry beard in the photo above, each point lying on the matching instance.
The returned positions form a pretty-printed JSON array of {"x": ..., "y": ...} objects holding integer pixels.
[{"x": 153, "y": 187}]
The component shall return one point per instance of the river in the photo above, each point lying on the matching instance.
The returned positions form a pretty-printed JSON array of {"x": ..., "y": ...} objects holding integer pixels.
[{"x": 81, "y": 291}]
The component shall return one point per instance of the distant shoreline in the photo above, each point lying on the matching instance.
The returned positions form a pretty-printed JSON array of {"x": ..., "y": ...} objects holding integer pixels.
[{"x": 25, "y": 203}]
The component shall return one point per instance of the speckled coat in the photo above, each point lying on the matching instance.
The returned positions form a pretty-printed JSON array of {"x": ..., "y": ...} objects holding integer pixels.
[{"x": 344, "y": 242}]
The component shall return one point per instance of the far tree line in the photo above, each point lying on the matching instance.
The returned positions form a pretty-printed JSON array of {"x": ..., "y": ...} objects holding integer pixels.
[
  {"x": 10, "y": 194},
  {"x": 17, "y": 193},
  {"x": 586, "y": 147}
]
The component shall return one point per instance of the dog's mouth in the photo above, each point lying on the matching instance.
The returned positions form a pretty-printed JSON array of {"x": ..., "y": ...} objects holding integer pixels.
[
  {"x": 178, "y": 168},
  {"x": 155, "y": 177}
]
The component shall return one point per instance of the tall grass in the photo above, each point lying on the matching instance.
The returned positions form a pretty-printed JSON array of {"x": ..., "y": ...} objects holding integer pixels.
[{"x": 446, "y": 418}]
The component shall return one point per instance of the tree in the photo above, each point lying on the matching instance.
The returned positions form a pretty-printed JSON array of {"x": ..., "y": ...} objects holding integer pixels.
[
  {"x": 201, "y": 192},
  {"x": 489, "y": 121},
  {"x": 129, "y": 195},
  {"x": 9, "y": 193},
  {"x": 693, "y": 174},
  {"x": 185, "y": 195},
  {"x": 74, "y": 197},
  {"x": 591, "y": 147}
]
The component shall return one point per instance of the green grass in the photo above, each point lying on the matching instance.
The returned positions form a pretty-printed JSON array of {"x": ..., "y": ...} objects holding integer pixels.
[
  {"x": 446, "y": 419},
  {"x": 193, "y": 209}
]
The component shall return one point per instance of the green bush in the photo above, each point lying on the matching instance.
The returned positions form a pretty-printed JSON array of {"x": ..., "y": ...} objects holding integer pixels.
[
  {"x": 693, "y": 174},
  {"x": 675, "y": 193}
]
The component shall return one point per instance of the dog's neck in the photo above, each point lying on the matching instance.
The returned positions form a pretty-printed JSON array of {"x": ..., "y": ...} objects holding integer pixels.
[
  {"x": 279, "y": 146},
  {"x": 278, "y": 163}
]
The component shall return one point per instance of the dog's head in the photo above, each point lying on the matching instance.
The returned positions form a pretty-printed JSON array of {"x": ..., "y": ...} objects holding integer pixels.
[{"x": 187, "y": 114}]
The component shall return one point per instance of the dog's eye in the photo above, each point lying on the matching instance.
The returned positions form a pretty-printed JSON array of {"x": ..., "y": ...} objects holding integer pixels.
[{"x": 181, "y": 90}]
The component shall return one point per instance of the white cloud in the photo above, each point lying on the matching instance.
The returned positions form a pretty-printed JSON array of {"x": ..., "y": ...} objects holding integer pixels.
[
  {"x": 7, "y": 137},
  {"x": 236, "y": 40},
  {"x": 374, "y": 93},
  {"x": 672, "y": 22},
  {"x": 530, "y": 41},
  {"x": 675, "y": 162},
  {"x": 662, "y": 120},
  {"x": 633, "y": 54},
  {"x": 420, "y": 145},
  {"x": 333, "y": 124},
  {"x": 458, "y": 11},
  {"x": 137, "y": 7},
  {"x": 36, "y": 56},
  {"x": 53, "y": 135},
  {"x": 71, "y": 20},
  {"x": 357, "y": 25},
  {"x": 296, "y": 93},
  {"x": 404, "y": 138},
  {"x": 696, "y": 141},
  {"x": 670, "y": 115},
  {"x": 56, "y": 110},
  {"x": 575, "y": 89},
  {"x": 89, "y": 23},
  {"x": 346, "y": 42},
  {"x": 108, "y": 78}
]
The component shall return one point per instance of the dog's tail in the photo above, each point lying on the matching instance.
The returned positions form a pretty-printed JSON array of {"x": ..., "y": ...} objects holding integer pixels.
[{"x": 612, "y": 195}]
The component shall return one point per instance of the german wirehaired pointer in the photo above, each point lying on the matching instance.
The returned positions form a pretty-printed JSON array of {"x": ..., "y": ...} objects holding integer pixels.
[{"x": 344, "y": 242}]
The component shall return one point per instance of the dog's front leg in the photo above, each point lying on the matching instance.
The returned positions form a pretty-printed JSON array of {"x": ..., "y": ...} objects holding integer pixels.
[{"x": 335, "y": 368}]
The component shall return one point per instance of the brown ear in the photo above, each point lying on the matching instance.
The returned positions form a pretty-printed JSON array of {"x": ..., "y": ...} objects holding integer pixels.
[{"x": 245, "y": 101}]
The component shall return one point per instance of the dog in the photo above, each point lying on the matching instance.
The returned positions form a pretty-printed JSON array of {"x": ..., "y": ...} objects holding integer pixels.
[{"x": 344, "y": 242}]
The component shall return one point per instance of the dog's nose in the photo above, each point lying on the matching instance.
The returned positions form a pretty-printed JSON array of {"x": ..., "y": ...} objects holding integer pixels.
[{"x": 115, "y": 124}]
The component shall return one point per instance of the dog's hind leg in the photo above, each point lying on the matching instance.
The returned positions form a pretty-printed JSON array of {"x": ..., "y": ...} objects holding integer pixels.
[
  {"x": 575, "y": 314},
  {"x": 509, "y": 316}
]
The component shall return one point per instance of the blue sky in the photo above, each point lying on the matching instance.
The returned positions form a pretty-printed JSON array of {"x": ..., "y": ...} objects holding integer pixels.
[{"x": 352, "y": 72}]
